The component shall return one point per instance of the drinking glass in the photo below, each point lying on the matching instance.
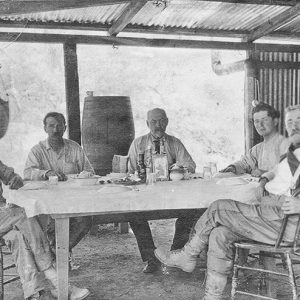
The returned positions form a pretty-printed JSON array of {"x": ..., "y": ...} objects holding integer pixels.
[
  {"x": 213, "y": 168},
  {"x": 207, "y": 173},
  {"x": 151, "y": 178}
]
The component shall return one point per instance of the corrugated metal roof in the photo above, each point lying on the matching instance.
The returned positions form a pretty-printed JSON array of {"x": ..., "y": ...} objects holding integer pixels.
[
  {"x": 293, "y": 26},
  {"x": 98, "y": 14},
  {"x": 190, "y": 14}
]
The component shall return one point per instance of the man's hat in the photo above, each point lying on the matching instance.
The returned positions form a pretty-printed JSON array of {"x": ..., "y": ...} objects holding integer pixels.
[{"x": 4, "y": 117}]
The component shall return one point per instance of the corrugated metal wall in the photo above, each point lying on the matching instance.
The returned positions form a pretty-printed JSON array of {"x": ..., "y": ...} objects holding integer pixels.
[{"x": 279, "y": 85}]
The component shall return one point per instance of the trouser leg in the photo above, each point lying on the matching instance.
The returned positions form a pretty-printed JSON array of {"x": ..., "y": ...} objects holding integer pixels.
[
  {"x": 143, "y": 235},
  {"x": 259, "y": 223},
  {"x": 221, "y": 250},
  {"x": 29, "y": 247},
  {"x": 183, "y": 227},
  {"x": 31, "y": 278},
  {"x": 219, "y": 261},
  {"x": 79, "y": 227},
  {"x": 31, "y": 254},
  {"x": 9, "y": 216}
]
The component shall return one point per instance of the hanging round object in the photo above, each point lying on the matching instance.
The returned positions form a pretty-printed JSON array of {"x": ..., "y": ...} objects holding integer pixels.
[{"x": 4, "y": 117}]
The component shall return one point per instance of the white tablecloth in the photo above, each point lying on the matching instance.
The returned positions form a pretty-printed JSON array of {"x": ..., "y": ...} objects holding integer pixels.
[{"x": 66, "y": 198}]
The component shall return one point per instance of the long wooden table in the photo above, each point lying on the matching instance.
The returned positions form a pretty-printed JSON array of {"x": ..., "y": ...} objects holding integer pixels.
[{"x": 115, "y": 203}]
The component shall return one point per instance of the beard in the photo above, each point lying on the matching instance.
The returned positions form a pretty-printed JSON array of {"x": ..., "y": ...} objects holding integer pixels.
[{"x": 159, "y": 133}]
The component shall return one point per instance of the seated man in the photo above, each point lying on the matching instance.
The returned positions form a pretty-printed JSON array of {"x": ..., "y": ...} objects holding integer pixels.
[
  {"x": 265, "y": 155},
  {"x": 57, "y": 156},
  {"x": 29, "y": 245},
  {"x": 228, "y": 221},
  {"x": 157, "y": 122}
]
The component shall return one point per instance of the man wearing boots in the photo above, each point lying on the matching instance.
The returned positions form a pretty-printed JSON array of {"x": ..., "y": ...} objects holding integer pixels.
[
  {"x": 157, "y": 122},
  {"x": 228, "y": 221}
]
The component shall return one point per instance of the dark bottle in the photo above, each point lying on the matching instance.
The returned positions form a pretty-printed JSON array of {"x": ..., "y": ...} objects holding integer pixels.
[
  {"x": 162, "y": 147},
  {"x": 141, "y": 167}
]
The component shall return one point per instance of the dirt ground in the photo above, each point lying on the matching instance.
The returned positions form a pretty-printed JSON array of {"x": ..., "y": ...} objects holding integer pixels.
[{"x": 110, "y": 266}]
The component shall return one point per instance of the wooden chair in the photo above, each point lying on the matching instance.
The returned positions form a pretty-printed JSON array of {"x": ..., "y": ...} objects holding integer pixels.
[
  {"x": 12, "y": 277},
  {"x": 286, "y": 252}
]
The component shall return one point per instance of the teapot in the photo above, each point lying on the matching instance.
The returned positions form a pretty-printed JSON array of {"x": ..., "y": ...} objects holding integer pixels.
[{"x": 176, "y": 172}]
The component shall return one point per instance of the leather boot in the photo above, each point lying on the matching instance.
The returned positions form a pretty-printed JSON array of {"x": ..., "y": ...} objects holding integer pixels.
[
  {"x": 184, "y": 258},
  {"x": 215, "y": 285}
]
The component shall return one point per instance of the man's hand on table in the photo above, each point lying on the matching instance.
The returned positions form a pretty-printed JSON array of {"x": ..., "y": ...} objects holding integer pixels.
[
  {"x": 61, "y": 176},
  {"x": 230, "y": 168},
  {"x": 291, "y": 205},
  {"x": 16, "y": 182},
  {"x": 257, "y": 172}
]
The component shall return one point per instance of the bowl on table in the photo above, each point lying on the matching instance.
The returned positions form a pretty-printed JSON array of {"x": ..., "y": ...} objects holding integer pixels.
[{"x": 84, "y": 181}]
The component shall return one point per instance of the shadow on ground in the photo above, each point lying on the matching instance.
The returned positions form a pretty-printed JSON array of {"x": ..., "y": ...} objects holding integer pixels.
[{"x": 110, "y": 266}]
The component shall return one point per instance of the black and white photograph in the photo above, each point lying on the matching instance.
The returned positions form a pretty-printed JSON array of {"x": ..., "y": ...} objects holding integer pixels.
[{"x": 149, "y": 149}]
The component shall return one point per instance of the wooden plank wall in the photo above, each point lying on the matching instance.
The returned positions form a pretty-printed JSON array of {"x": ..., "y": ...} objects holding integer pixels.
[{"x": 278, "y": 78}]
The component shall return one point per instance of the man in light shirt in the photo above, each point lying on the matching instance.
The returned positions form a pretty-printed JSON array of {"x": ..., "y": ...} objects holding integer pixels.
[
  {"x": 157, "y": 122},
  {"x": 265, "y": 155},
  {"x": 57, "y": 156},
  {"x": 26, "y": 239},
  {"x": 228, "y": 221}
]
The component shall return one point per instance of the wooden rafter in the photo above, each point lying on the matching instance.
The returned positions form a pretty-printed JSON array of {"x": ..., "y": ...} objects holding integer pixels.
[
  {"x": 281, "y": 35},
  {"x": 274, "y": 23},
  {"x": 141, "y": 42},
  {"x": 130, "y": 11},
  {"x": 129, "y": 28},
  {"x": 8, "y": 7},
  {"x": 260, "y": 2}
]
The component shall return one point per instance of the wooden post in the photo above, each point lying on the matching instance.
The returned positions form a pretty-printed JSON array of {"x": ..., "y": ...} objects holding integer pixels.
[
  {"x": 72, "y": 91},
  {"x": 251, "y": 136}
]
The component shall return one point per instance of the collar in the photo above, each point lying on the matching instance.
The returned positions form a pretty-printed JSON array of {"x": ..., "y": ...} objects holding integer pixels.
[
  {"x": 153, "y": 138},
  {"x": 47, "y": 145},
  {"x": 293, "y": 147}
]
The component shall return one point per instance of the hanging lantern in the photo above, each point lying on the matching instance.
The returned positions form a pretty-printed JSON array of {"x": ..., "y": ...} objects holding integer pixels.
[{"x": 4, "y": 117}]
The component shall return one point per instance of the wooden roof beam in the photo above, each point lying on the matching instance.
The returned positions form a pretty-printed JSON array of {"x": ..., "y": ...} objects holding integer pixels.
[
  {"x": 260, "y": 2},
  {"x": 8, "y": 7},
  {"x": 274, "y": 23},
  {"x": 130, "y": 11},
  {"x": 141, "y": 42}
]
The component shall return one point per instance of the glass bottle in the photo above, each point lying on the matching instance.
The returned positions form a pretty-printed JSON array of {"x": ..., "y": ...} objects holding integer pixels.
[{"x": 141, "y": 167}]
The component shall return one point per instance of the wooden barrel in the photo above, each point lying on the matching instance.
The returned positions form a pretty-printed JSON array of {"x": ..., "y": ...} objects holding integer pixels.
[{"x": 107, "y": 129}]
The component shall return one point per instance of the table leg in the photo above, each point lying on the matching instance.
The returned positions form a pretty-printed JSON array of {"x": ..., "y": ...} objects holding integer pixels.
[{"x": 62, "y": 253}]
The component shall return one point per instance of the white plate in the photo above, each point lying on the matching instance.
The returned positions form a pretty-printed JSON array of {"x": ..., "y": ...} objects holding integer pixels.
[
  {"x": 110, "y": 189},
  {"x": 232, "y": 181},
  {"x": 85, "y": 181}
]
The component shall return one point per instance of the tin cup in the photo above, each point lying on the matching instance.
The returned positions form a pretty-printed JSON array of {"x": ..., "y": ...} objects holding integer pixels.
[
  {"x": 207, "y": 173},
  {"x": 53, "y": 180}
]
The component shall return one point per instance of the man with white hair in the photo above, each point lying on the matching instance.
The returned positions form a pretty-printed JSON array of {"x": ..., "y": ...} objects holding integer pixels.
[
  {"x": 228, "y": 221},
  {"x": 175, "y": 151}
]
